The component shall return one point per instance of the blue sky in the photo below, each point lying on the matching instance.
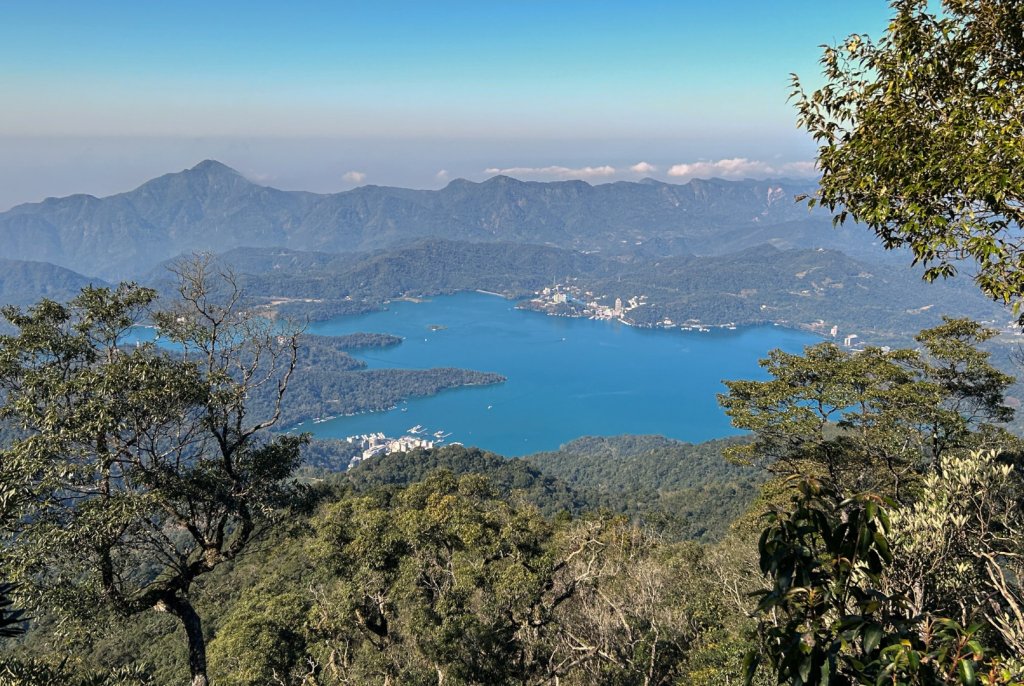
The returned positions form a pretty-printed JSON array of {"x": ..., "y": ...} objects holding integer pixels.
[{"x": 328, "y": 95}]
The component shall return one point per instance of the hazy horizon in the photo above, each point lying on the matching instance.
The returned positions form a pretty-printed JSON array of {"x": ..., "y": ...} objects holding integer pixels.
[{"x": 101, "y": 98}]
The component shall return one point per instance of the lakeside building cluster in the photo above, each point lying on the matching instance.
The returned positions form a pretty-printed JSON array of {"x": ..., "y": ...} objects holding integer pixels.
[
  {"x": 376, "y": 444},
  {"x": 568, "y": 300}
]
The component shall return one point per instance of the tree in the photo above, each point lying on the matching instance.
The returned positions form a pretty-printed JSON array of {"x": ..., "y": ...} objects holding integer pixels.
[
  {"x": 871, "y": 419},
  {"x": 11, "y": 619},
  {"x": 921, "y": 137},
  {"x": 641, "y": 607},
  {"x": 829, "y": 617},
  {"x": 445, "y": 582},
  {"x": 960, "y": 545},
  {"x": 442, "y": 583},
  {"x": 145, "y": 469}
]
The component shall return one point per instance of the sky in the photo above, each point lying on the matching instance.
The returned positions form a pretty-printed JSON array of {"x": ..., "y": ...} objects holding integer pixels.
[{"x": 100, "y": 96}]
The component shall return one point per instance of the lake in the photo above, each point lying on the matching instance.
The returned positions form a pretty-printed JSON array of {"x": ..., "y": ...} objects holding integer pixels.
[{"x": 566, "y": 377}]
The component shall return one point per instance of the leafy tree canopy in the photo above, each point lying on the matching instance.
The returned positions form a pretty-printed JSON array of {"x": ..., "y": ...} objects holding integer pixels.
[
  {"x": 140, "y": 469},
  {"x": 872, "y": 419},
  {"x": 921, "y": 136}
]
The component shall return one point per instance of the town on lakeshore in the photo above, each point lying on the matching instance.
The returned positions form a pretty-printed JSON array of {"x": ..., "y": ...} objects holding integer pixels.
[
  {"x": 377, "y": 444},
  {"x": 570, "y": 300}
]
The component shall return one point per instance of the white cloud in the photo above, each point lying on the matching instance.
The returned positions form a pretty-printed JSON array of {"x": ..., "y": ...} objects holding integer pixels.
[
  {"x": 741, "y": 168},
  {"x": 643, "y": 168},
  {"x": 441, "y": 175},
  {"x": 354, "y": 177},
  {"x": 259, "y": 178},
  {"x": 806, "y": 168},
  {"x": 555, "y": 171}
]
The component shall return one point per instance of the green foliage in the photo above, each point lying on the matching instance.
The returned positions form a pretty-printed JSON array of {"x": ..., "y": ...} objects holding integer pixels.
[
  {"x": 361, "y": 341},
  {"x": 822, "y": 557},
  {"x": 921, "y": 138},
  {"x": 262, "y": 640},
  {"x": 436, "y": 583},
  {"x": 961, "y": 545},
  {"x": 11, "y": 619},
  {"x": 330, "y": 382},
  {"x": 872, "y": 419},
  {"x": 684, "y": 490},
  {"x": 39, "y": 673},
  {"x": 144, "y": 468},
  {"x": 918, "y": 585},
  {"x": 443, "y": 582},
  {"x": 827, "y": 620},
  {"x": 328, "y": 391},
  {"x": 511, "y": 478}
]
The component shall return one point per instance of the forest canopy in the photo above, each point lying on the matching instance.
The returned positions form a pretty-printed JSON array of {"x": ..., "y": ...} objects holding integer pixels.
[{"x": 155, "y": 530}]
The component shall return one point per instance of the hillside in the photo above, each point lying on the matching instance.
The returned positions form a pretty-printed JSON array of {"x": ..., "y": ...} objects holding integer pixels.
[
  {"x": 689, "y": 489},
  {"x": 213, "y": 208},
  {"x": 813, "y": 289},
  {"x": 25, "y": 282}
]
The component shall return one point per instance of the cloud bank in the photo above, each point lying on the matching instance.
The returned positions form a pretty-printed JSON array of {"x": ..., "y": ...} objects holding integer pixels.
[
  {"x": 731, "y": 168},
  {"x": 643, "y": 168},
  {"x": 741, "y": 168},
  {"x": 555, "y": 172}
]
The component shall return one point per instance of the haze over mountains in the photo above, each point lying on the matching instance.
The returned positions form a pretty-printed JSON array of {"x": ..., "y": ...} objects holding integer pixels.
[
  {"x": 710, "y": 252},
  {"x": 211, "y": 207}
]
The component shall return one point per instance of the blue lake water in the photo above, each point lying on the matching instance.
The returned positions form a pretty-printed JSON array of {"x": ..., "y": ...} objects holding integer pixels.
[{"x": 566, "y": 377}]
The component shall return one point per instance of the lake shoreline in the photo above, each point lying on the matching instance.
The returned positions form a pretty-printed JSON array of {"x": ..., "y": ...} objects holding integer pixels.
[{"x": 566, "y": 376}]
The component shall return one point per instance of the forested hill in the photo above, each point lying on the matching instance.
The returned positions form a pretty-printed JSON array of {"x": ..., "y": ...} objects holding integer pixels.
[
  {"x": 214, "y": 208},
  {"x": 686, "y": 490},
  {"x": 25, "y": 282},
  {"x": 273, "y": 579},
  {"x": 758, "y": 285},
  {"x": 806, "y": 288},
  {"x": 690, "y": 488}
]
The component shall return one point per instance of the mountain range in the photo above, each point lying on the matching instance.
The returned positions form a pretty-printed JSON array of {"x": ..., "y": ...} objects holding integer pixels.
[
  {"x": 211, "y": 207},
  {"x": 709, "y": 251}
]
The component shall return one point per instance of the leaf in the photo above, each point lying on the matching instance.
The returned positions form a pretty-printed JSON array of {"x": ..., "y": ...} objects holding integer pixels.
[
  {"x": 805, "y": 669},
  {"x": 966, "y": 669},
  {"x": 872, "y": 637},
  {"x": 750, "y": 664}
]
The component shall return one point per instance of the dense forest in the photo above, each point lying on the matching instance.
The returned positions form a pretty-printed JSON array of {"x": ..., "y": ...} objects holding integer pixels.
[
  {"x": 880, "y": 481},
  {"x": 329, "y": 382},
  {"x": 867, "y": 529}
]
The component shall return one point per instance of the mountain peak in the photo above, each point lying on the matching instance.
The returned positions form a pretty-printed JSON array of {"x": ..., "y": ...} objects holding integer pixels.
[
  {"x": 213, "y": 167},
  {"x": 207, "y": 175},
  {"x": 503, "y": 180}
]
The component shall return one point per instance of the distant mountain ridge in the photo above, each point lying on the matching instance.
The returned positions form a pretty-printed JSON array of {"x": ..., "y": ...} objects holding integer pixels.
[
  {"x": 211, "y": 207},
  {"x": 813, "y": 289},
  {"x": 25, "y": 283}
]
